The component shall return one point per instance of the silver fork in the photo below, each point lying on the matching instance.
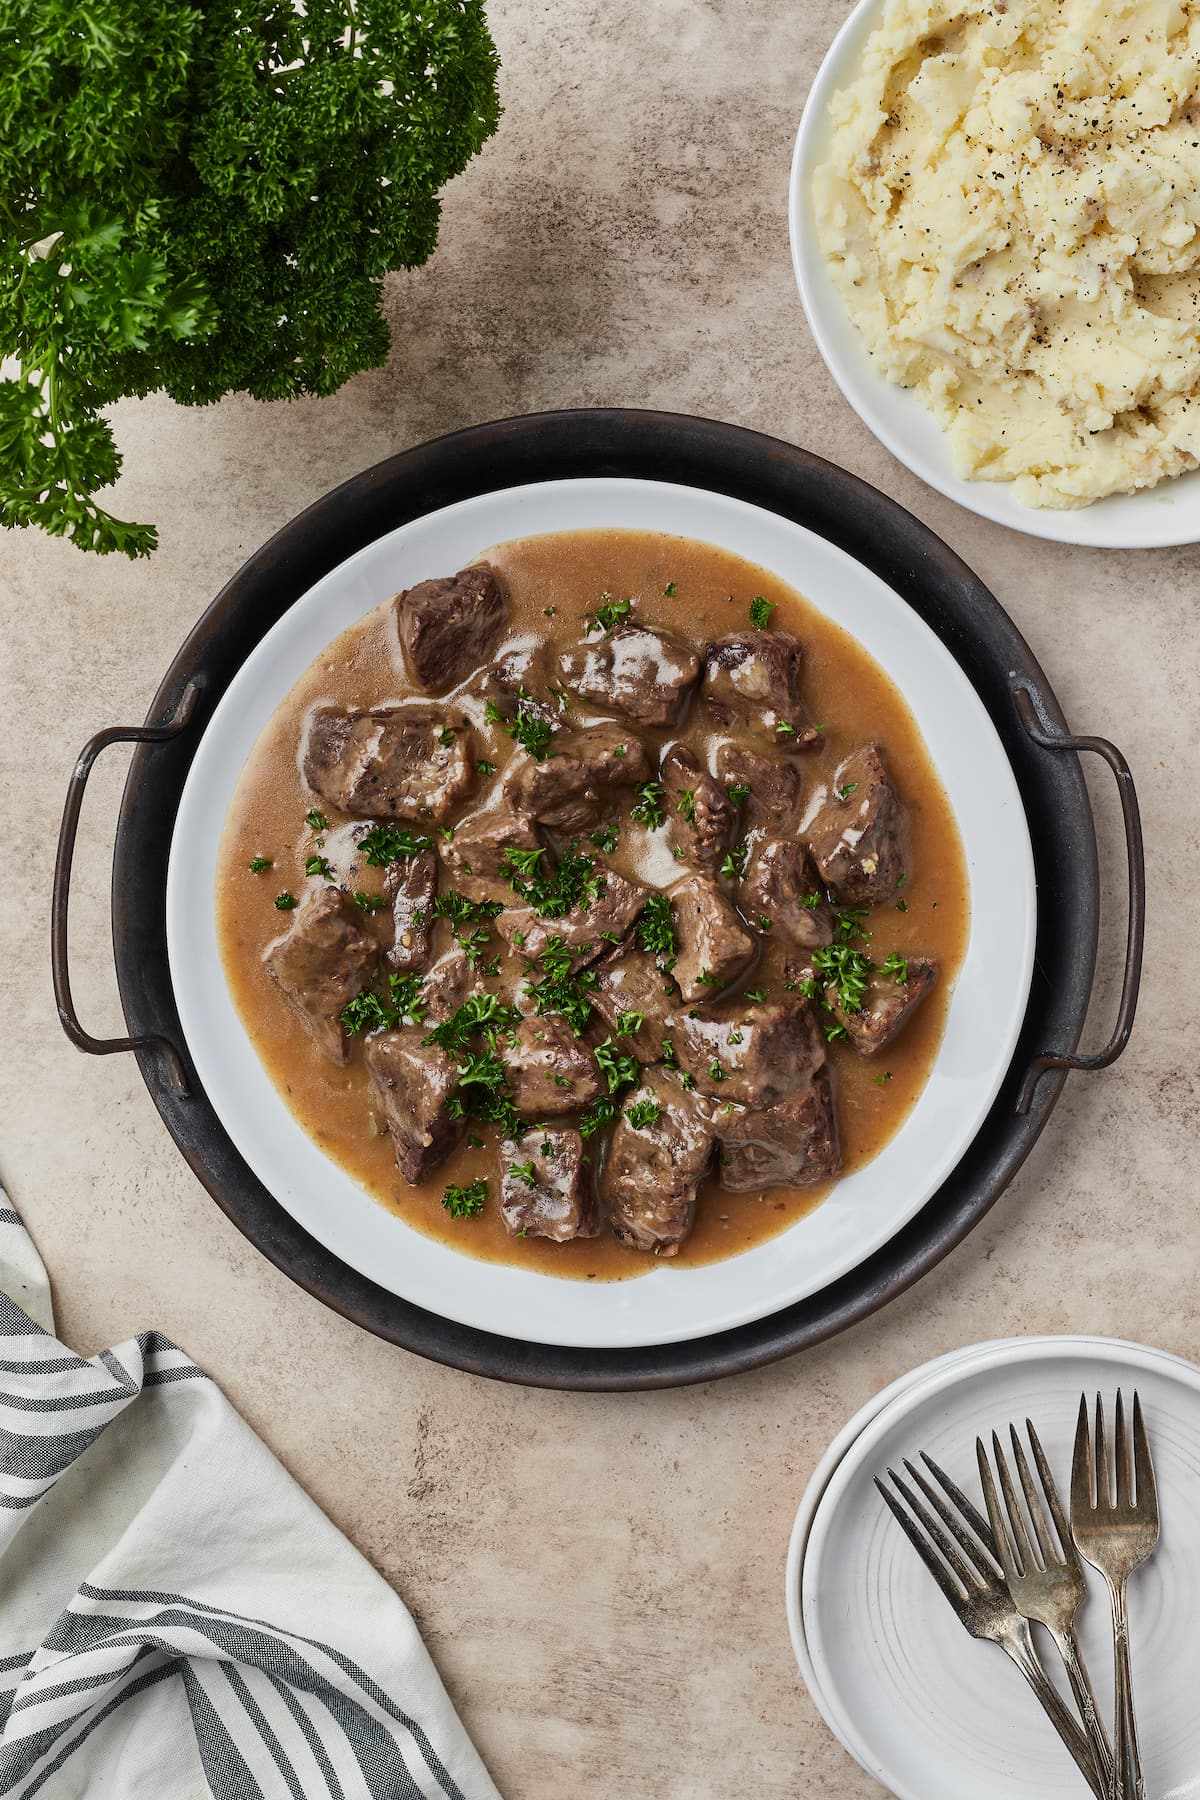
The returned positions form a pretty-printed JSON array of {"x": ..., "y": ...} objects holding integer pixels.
[
  {"x": 1046, "y": 1581},
  {"x": 970, "y": 1578},
  {"x": 1116, "y": 1533}
]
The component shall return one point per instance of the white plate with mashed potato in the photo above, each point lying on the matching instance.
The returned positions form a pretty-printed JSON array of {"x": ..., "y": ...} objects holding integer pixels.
[{"x": 995, "y": 224}]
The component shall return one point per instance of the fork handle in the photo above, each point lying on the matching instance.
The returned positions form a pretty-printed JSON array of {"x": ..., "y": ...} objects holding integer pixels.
[
  {"x": 1128, "y": 1782},
  {"x": 1085, "y": 1700},
  {"x": 1025, "y": 1656}
]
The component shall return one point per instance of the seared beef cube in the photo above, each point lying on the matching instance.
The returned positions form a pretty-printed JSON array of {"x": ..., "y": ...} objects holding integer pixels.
[
  {"x": 518, "y": 678},
  {"x": 450, "y": 626},
  {"x": 546, "y": 1188},
  {"x": 888, "y": 1004},
  {"x": 414, "y": 1082},
  {"x": 699, "y": 816},
  {"x": 633, "y": 670},
  {"x": 389, "y": 762},
  {"x": 474, "y": 857},
  {"x": 446, "y": 986},
  {"x": 628, "y": 981},
  {"x": 773, "y": 783},
  {"x": 325, "y": 960},
  {"x": 714, "y": 944},
  {"x": 794, "y": 1144},
  {"x": 587, "y": 931},
  {"x": 859, "y": 834},
  {"x": 652, "y": 1170},
  {"x": 410, "y": 886},
  {"x": 751, "y": 1052},
  {"x": 754, "y": 677},
  {"x": 578, "y": 784},
  {"x": 550, "y": 1070},
  {"x": 782, "y": 893}
]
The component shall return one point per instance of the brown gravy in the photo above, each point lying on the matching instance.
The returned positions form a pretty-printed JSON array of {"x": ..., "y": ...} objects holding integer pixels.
[{"x": 846, "y": 690}]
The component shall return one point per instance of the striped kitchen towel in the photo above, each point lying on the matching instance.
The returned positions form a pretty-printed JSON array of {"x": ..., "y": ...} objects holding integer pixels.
[{"x": 178, "y": 1620}]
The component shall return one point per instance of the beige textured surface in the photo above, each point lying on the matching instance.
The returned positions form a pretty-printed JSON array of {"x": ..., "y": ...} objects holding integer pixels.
[{"x": 600, "y": 1579}]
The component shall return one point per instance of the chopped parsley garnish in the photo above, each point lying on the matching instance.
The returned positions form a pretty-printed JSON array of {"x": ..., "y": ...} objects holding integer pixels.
[
  {"x": 385, "y": 844},
  {"x": 446, "y": 736},
  {"x": 851, "y": 787},
  {"x": 739, "y": 793},
  {"x": 285, "y": 901},
  {"x": 484, "y": 767},
  {"x": 760, "y": 612},
  {"x": 524, "y": 1172},
  {"x": 669, "y": 590},
  {"x": 902, "y": 906},
  {"x": 475, "y": 943},
  {"x": 716, "y": 1072},
  {"x": 465, "y": 1202},
  {"x": 618, "y": 1068},
  {"x": 528, "y": 728},
  {"x": 846, "y": 971},
  {"x": 366, "y": 1012},
  {"x": 559, "y": 991},
  {"x": 606, "y": 838},
  {"x": 461, "y": 911},
  {"x": 756, "y": 993},
  {"x": 708, "y": 980},
  {"x": 656, "y": 931},
  {"x": 812, "y": 901},
  {"x": 686, "y": 805},
  {"x": 257, "y": 864},
  {"x": 607, "y": 615},
  {"x": 896, "y": 966},
  {"x": 734, "y": 863},
  {"x": 574, "y": 882},
  {"x": 834, "y": 1031},
  {"x": 765, "y": 922},
  {"x": 318, "y": 865},
  {"x": 548, "y": 1147},
  {"x": 316, "y": 821},
  {"x": 647, "y": 809},
  {"x": 901, "y": 879},
  {"x": 848, "y": 923},
  {"x": 783, "y": 729},
  {"x": 628, "y": 1024},
  {"x": 549, "y": 611},
  {"x": 473, "y": 1142},
  {"x": 595, "y": 1117},
  {"x": 643, "y": 1113},
  {"x": 369, "y": 903},
  {"x": 484, "y": 1013},
  {"x": 881, "y": 1079}
]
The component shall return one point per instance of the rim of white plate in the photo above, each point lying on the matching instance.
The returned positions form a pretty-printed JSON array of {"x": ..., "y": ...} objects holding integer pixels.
[
  {"x": 1153, "y": 519},
  {"x": 666, "y": 1304},
  {"x": 906, "y": 1396}
]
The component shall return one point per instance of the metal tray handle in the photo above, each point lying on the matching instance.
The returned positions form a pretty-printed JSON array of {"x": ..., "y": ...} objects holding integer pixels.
[
  {"x": 61, "y": 897},
  {"x": 1033, "y": 718}
]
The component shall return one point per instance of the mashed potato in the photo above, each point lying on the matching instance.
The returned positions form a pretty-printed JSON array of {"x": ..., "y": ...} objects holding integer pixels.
[{"x": 1011, "y": 209}]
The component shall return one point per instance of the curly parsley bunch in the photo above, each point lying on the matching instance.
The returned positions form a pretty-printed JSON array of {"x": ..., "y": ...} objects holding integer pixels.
[{"x": 205, "y": 198}]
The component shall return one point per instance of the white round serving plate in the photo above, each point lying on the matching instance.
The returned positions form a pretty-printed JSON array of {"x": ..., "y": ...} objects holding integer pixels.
[
  {"x": 666, "y": 1304},
  {"x": 1156, "y": 517},
  {"x": 928, "y": 1712}
]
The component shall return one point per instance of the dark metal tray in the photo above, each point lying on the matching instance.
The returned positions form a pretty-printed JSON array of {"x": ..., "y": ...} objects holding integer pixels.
[{"x": 650, "y": 446}]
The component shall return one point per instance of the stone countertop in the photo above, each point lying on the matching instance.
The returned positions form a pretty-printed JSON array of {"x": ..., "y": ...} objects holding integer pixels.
[{"x": 623, "y": 240}]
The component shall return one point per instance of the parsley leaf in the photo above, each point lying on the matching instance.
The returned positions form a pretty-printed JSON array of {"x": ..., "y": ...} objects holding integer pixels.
[
  {"x": 524, "y": 1172},
  {"x": 656, "y": 930},
  {"x": 257, "y": 864},
  {"x": 285, "y": 901},
  {"x": 527, "y": 728},
  {"x": 648, "y": 807},
  {"x": 465, "y": 1202},
  {"x": 606, "y": 838},
  {"x": 384, "y": 844},
  {"x": 608, "y": 614},
  {"x": 760, "y": 612},
  {"x": 316, "y": 821},
  {"x": 739, "y": 793},
  {"x": 618, "y": 1068},
  {"x": 643, "y": 1113}
]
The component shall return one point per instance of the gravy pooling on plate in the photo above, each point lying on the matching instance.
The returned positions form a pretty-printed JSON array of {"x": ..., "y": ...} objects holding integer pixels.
[{"x": 597, "y": 904}]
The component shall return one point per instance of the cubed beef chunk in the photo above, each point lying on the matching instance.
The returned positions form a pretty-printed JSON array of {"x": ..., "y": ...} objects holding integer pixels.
[
  {"x": 450, "y": 626},
  {"x": 410, "y": 886},
  {"x": 587, "y": 931},
  {"x": 579, "y": 783},
  {"x": 751, "y": 1052},
  {"x": 446, "y": 985},
  {"x": 651, "y": 1172},
  {"x": 388, "y": 763},
  {"x": 773, "y": 782},
  {"x": 325, "y": 960},
  {"x": 783, "y": 894},
  {"x": 550, "y": 1070},
  {"x": 793, "y": 1144},
  {"x": 519, "y": 679},
  {"x": 628, "y": 981},
  {"x": 754, "y": 677},
  {"x": 474, "y": 857},
  {"x": 888, "y": 1004},
  {"x": 859, "y": 833},
  {"x": 714, "y": 945},
  {"x": 641, "y": 673},
  {"x": 699, "y": 816},
  {"x": 546, "y": 1188},
  {"x": 414, "y": 1082}
]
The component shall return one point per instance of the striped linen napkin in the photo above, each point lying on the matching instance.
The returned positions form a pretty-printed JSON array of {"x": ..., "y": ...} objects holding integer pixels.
[{"x": 178, "y": 1620}]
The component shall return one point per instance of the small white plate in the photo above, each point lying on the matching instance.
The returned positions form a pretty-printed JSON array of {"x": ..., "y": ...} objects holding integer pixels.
[
  {"x": 1162, "y": 515},
  {"x": 665, "y": 1305},
  {"x": 931, "y": 1714}
]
